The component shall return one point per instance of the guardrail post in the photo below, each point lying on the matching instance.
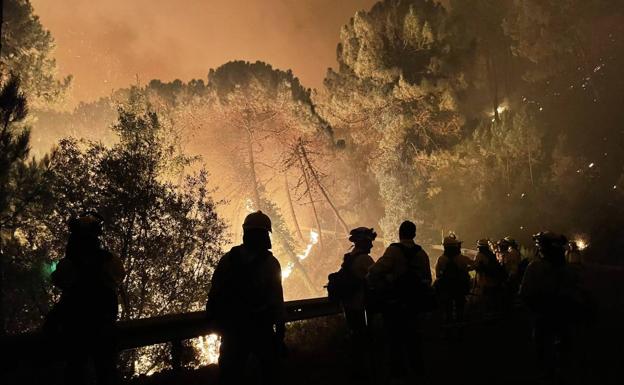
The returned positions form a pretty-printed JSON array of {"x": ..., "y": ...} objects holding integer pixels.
[{"x": 176, "y": 355}]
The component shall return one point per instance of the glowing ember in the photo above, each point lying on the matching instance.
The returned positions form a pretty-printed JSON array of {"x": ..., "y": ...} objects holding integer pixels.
[
  {"x": 500, "y": 109},
  {"x": 581, "y": 244}
]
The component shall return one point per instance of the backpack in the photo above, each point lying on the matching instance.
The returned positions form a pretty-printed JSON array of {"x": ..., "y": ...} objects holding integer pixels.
[
  {"x": 409, "y": 288},
  {"x": 454, "y": 280},
  {"x": 343, "y": 284}
]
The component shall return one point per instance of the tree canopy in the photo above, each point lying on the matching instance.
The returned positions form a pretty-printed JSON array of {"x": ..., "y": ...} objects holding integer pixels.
[{"x": 26, "y": 51}]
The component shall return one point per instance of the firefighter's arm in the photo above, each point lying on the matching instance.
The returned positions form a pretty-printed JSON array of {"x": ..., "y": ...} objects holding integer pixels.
[
  {"x": 439, "y": 266},
  {"x": 479, "y": 262},
  {"x": 426, "y": 267}
]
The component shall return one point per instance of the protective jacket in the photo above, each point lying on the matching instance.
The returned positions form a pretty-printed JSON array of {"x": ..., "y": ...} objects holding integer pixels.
[
  {"x": 511, "y": 261},
  {"x": 246, "y": 290},
  {"x": 456, "y": 284},
  {"x": 549, "y": 289},
  {"x": 89, "y": 281},
  {"x": 463, "y": 262},
  {"x": 358, "y": 263},
  {"x": 488, "y": 271}
]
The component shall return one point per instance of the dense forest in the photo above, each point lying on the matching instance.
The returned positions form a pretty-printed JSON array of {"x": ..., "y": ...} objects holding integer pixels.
[{"x": 487, "y": 118}]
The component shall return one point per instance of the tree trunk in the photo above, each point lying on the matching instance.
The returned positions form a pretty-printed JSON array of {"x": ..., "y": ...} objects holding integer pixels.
[
  {"x": 1, "y": 23},
  {"x": 127, "y": 262},
  {"x": 256, "y": 190},
  {"x": 237, "y": 219},
  {"x": 307, "y": 182},
  {"x": 2, "y": 312},
  {"x": 252, "y": 168},
  {"x": 292, "y": 208},
  {"x": 509, "y": 72},
  {"x": 507, "y": 174},
  {"x": 318, "y": 183},
  {"x": 530, "y": 165},
  {"x": 493, "y": 80}
]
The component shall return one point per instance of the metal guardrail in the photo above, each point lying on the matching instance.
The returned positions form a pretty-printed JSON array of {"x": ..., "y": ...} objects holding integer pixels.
[{"x": 132, "y": 334}]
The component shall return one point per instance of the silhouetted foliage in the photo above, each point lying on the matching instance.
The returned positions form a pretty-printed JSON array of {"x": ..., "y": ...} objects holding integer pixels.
[
  {"x": 166, "y": 231},
  {"x": 23, "y": 191}
]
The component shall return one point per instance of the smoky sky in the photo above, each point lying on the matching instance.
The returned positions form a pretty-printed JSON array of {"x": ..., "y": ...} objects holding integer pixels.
[{"x": 113, "y": 43}]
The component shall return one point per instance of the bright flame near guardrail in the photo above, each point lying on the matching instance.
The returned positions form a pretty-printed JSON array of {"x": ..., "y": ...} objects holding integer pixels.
[
  {"x": 288, "y": 269},
  {"x": 208, "y": 348},
  {"x": 581, "y": 243},
  {"x": 314, "y": 237}
]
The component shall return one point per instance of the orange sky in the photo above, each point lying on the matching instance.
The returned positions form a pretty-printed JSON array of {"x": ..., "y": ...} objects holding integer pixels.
[{"x": 106, "y": 44}]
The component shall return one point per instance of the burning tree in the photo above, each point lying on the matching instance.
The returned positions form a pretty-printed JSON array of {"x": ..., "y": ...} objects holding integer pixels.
[{"x": 260, "y": 110}]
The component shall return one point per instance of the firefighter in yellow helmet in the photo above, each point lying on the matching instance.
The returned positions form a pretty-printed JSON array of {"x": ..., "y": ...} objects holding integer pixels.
[
  {"x": 246, "y": 304},
  {"x": 453, "y": 281},
  {"x": 509, "y": 255},
  {"x": 347, "y": 286},
  {"x": 356, "y": 263},
  {"x": 490, "y": 276}
]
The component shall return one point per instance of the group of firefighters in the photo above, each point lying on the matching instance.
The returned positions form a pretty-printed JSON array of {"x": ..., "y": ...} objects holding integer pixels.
[
  {"x": 399, "y": 286},
  {"x": 246, "y": 303}
]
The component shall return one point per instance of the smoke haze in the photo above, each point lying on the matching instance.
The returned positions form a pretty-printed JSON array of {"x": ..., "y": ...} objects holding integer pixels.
[{"x": 106, "y": 45}]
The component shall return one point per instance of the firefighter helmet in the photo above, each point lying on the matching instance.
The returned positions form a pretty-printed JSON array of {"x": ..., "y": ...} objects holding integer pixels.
[
  {"x": 550, "y": 240},
  {"x": 483, "y": 243},
  {"x": 257, "y": 220},
  {"x": 451, "y": 240},
  {"x": 512, "y": 242},
  {"x": 362, "y": 234},
  {"x": 87, "y": 223}
]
